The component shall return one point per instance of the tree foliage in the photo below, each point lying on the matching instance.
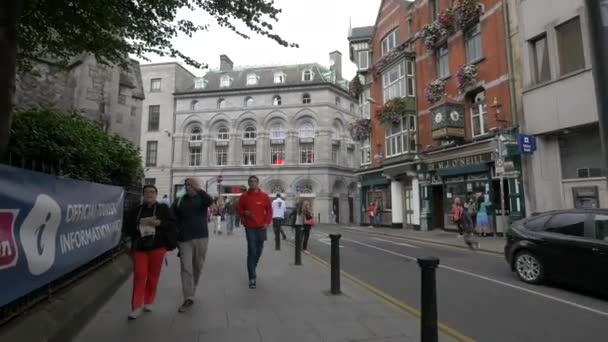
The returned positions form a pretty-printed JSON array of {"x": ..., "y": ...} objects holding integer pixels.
[
  {"x": 112, "y": 29},
  {"x": 77, "y": 146}
]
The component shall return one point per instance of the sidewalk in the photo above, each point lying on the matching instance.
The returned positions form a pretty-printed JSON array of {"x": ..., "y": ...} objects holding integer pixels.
[
  {"x": 291, "y": 303},
  {"x": 494, "y": 245}
]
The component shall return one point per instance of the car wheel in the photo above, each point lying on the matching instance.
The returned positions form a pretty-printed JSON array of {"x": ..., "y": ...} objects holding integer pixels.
[{"x": 529, "y": 268}]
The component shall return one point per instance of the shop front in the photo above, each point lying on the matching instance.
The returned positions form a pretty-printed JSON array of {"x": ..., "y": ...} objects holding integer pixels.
[{"x": 375, "y": 188}]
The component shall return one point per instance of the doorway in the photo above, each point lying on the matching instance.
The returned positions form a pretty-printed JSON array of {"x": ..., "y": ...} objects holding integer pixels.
[
  {"x": 336, "y": 209},
  {"x": 409, "y": 208},
  {"x": 351, "y": 210},
  {"x": 438, "y": 217}
]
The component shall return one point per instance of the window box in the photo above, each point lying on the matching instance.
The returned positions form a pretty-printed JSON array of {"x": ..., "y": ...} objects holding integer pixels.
[
  {"x": 277, "y": 141},
  {"x": 350, "y": 146},
  {"x": 248, "y": 142},
  {"x": 466, "y": 76},
  {"x": 335, "y": 142},
  {"x": 395, "y": 109},
  {"x": 307, "y": 140},
  {"x": 434, "y": 91},
  {"x": 195, "y": 143},
  {"x": 466, "y": 12},
  {"x": 221, "y": 143}
]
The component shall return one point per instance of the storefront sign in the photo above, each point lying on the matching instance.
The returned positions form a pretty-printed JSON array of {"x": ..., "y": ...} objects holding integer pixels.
[
  {"x": 448, "y": 133},
  {"x": 460, "y": 162}
]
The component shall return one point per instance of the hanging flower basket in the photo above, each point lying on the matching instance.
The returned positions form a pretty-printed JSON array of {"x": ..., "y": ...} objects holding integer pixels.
[
  {"x": 446, "y": 20},
  {"x": 431, "y": 34},
  {"x": 434, "y": 91},
  {"x": 465, "y": 11},
  {"x": 388, "y": 59},
  {"x": 392, "y": 111},
  {"x": 466, "y": 75},
  {"x": 360, "y": 129},
  {"x": 355, "y": 86}
]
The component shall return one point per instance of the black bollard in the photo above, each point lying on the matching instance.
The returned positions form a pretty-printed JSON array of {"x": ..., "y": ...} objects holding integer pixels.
[
  {"x": 335, "y": 263},
  {"x": 428, "y": 301},
  {"x": 298, "y": 248}
]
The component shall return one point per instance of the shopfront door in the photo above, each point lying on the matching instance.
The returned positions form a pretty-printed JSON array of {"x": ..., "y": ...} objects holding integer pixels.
[{"x": 437, "y": 207}]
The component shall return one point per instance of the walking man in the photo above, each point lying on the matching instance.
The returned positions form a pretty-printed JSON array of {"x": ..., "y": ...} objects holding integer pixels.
[
  {"x": 278, "y": 214},
  {"x": 191, "y": 214},
  {"x": 229, "y": 216},
  {"x": 255, "y": 211}
]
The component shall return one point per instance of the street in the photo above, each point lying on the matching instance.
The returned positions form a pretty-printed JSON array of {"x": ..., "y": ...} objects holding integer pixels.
[{"x": 477, "y": 296}]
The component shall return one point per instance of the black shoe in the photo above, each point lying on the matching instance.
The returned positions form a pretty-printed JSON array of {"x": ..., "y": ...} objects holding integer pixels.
[
  {"x": 186, "y": 305},
  {"x": 252, "y": 284}
]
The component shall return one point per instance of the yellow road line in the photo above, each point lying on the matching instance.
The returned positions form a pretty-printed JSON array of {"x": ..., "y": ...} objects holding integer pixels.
[{"x": 396, "y": 303}]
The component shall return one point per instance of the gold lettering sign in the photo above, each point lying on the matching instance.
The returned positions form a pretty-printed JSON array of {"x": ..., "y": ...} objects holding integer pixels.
[{"x": 460, "y": 162}]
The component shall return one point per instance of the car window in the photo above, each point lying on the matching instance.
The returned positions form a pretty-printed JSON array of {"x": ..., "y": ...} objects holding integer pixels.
[
  {"x": 568, "y": 224},
  {"x": 537, "y": 223},
  {"x": 601, "y": 227}
]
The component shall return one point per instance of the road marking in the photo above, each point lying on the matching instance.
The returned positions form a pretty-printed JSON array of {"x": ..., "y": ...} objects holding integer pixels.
[
  {"x": 540, "y": 294},
  {"x": 396, "y": 303},
  {"x": 327, "y": 242},
  {"x": 396, "y": 243}
]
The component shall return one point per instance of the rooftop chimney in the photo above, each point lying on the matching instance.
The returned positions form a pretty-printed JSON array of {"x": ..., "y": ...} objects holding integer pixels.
[
  {"x": 225, "y": 63},
  {"x": 335, "y": 63}
]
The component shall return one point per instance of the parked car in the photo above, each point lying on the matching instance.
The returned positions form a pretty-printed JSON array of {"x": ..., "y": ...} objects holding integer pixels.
[{"x": 569, "y": 245}]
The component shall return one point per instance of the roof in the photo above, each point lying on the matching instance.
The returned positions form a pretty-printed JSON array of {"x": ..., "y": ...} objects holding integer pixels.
[
  {"x": 361, "y": 32},
  {"x": 265, "y": 74}
]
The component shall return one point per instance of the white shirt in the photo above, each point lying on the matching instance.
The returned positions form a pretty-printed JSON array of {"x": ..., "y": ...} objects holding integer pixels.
[{"x": 278, "y": 208}]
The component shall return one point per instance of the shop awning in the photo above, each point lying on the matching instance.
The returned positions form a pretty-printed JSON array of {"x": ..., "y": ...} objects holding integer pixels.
[{"x": 463, "y": 170}]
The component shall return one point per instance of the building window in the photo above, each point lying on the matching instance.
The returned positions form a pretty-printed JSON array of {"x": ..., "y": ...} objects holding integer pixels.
[
  {"x": 153, "y": 118},
  {"x": 540, "y": 57},
  {"x": 221, "y": 104},
  {"x": 122, "y": 95},
  {"x": 150, "y": 181},
  {"x": 200, "y": 83},
  {"x": 307, "y": 153},
  {"x": 277, "y": 154},
  {"x": 401, "y": 136},
  {"x": 225, "y": 81},
  {"x": 306, "y": 99},
  {"x": 433, "y": 7},
  {"x": 472, "y": 39},
  {"x": 410, "y": 27},
  {"x": 195, "y": 156},
  {"x": 393, "y": 82},
  {"x": 151, "y": 153},
  {"x": 307, "y": 130},
  {"x": 307, "y": 75},
  {"x": 338, "y": 101},
  {"x": 248, "y": 155},
  {"x": 276, "y": 100},
  {"x": 252, "y": 79},
  {"x": 221, "y": 155},
  {"x": 133, "y": 111},
  {"x": 196, "y": 134},
  {"x": 363, "y": 59},
  {"x": 277, "y": 131},
  {"x": 193, "y": 105},
  {"x": 411, "y": 83},
  {"x": 250, "y": 133},
  {"x": 389, "y": 43},
  {"x": 570, "y": 46},
  {"x": 366, "y": 152},
  {"x": 443, "y": 62},
  {"x": 248, "y": 101},
  {"x": 364, "y": 105},
  {"x": 223, "y": 134},
  {"x": 279, "y": 77},
  {"x": 155, "y": 84},
  {"x": 479, "y": 115},
  {"x": 334, "y": 153}
]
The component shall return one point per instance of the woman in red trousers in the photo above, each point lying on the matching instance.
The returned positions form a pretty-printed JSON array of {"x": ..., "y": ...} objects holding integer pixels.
[{"x": 147, "y": 226}]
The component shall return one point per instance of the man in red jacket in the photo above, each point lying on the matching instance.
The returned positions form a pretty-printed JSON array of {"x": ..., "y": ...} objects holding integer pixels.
[{"x": 255, "y": 211}]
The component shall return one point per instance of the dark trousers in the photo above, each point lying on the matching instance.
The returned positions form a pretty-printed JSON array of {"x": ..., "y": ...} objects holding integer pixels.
[
  {"x": 306, "y": 236},
  {"x": 255, "y": 245},
  {"x": 459, "y": 225},
  {"x": 278, "y": 230}
]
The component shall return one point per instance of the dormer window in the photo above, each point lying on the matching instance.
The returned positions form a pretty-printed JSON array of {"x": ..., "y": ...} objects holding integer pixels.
[
  {"x": 252, "y": 79},
  {"x": 248, "y": 101},
  {"x": 221, "y": 104},
  {"x": 225, "y": 81},
  {"x": 389, "y": 43},
  {"x": 306, "y": 99},
  {"x": 276, "y": 100},
  {"x": 307, "y": 75},
  {"x": 193, "y": 105},
  {"x": 200, "y": 83},
  {"x": 279, "y": 77}
]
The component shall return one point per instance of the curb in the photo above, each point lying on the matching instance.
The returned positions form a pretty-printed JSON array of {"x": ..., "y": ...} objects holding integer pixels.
[{"x": 441, "y": 243}]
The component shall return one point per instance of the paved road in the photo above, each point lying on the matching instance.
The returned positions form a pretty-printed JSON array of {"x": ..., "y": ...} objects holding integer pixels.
[{"x": 477, "y": 294}]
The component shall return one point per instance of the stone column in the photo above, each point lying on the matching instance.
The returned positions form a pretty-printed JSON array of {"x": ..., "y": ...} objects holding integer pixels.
[
  {"x": 208, "y": 150},
  {"x": 235, "y": 150},
  {"x": 322, "y": 142},
  {"x": 292, "y": 148},
  {"x": 262, "y": 149},
  {"x": 397, "y": 203},
  {"x": 181, "y": 150},
  {"x": 323, "y": 206}
]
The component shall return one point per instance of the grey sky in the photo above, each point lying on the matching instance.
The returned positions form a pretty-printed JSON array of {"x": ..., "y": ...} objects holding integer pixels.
[{"x": 319, "y": 26}]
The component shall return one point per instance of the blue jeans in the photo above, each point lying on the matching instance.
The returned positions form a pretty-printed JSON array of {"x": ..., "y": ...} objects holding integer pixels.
[
  {"x": 229, "y": 223},
  {"x": 255, "y": 245}
]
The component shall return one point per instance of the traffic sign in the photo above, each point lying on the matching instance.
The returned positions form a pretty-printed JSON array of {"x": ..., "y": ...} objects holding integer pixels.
[{"x": 499, "y": 166}]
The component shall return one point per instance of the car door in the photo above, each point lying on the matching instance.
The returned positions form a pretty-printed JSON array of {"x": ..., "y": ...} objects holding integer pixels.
[
  {"x": 599, "y": 247},
  {"x": 565, "y": 251}
]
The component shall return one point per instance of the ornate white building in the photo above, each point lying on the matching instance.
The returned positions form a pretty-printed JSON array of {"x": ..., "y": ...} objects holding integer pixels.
[{"x": 286, "y": 124}]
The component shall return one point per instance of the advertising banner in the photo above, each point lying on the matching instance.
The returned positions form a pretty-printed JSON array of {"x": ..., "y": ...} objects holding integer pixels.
[{"x": 50, "y": 226}]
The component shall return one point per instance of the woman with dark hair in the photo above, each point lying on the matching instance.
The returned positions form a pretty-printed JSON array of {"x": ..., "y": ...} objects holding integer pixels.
[
  {"x": 149, "y": 225},
  {"x": 308, "y": 219}
]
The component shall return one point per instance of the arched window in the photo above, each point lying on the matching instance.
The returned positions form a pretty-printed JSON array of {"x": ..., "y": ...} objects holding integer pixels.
[
  {"x": 307, "y": 75},
  {"x": 250, "y": 133},
  {"x": 306, "y": 98},
  {"x": 222, "y": 134},
  {"x": 277, "y": 131},
  {"x": 196, "y": 134},
  {"x": 338, "y": 101},
  {"x": 307, "y": 130},
  {"x": 193, "y": 104},
  {"x": 335, "y": 132},
  {"x": 248, "y": 101},
  {"x": 276, "y": 100},
  {"x": 479, "y": 115},
  {"x": 221, "y": 104}
]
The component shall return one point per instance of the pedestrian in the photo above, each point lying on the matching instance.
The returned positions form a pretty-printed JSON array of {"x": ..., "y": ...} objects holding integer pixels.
[
  {"x": 147, "y": 225},
  {"x": 483, "y": 221},
  {"x": 378, "y": 214},
  {"x": 457, "y": 210},
  {"x": 370, "y": 214},
  {"x": 278, "y": 215},
  {"x": 217, "y": 215},
  {"x": 191, "y": 212},
  {"x": 255, "y": 211},
  {"x": 468, "y": 227},
  {"x": 229, "y": 211},
  {"x": 308, "y": 220}
]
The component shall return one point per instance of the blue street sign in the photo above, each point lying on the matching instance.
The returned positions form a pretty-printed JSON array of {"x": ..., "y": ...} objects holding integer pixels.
[{"x": 526, "y": 143}]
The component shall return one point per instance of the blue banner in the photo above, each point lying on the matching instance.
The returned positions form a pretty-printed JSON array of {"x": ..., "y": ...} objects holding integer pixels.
[{"x": 50, "y": 226}]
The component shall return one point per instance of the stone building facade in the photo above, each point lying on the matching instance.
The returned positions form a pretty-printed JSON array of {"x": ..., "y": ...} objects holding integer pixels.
[
  {"x": 108, "y": 95},
  {"x": 286, "y": 124}
]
